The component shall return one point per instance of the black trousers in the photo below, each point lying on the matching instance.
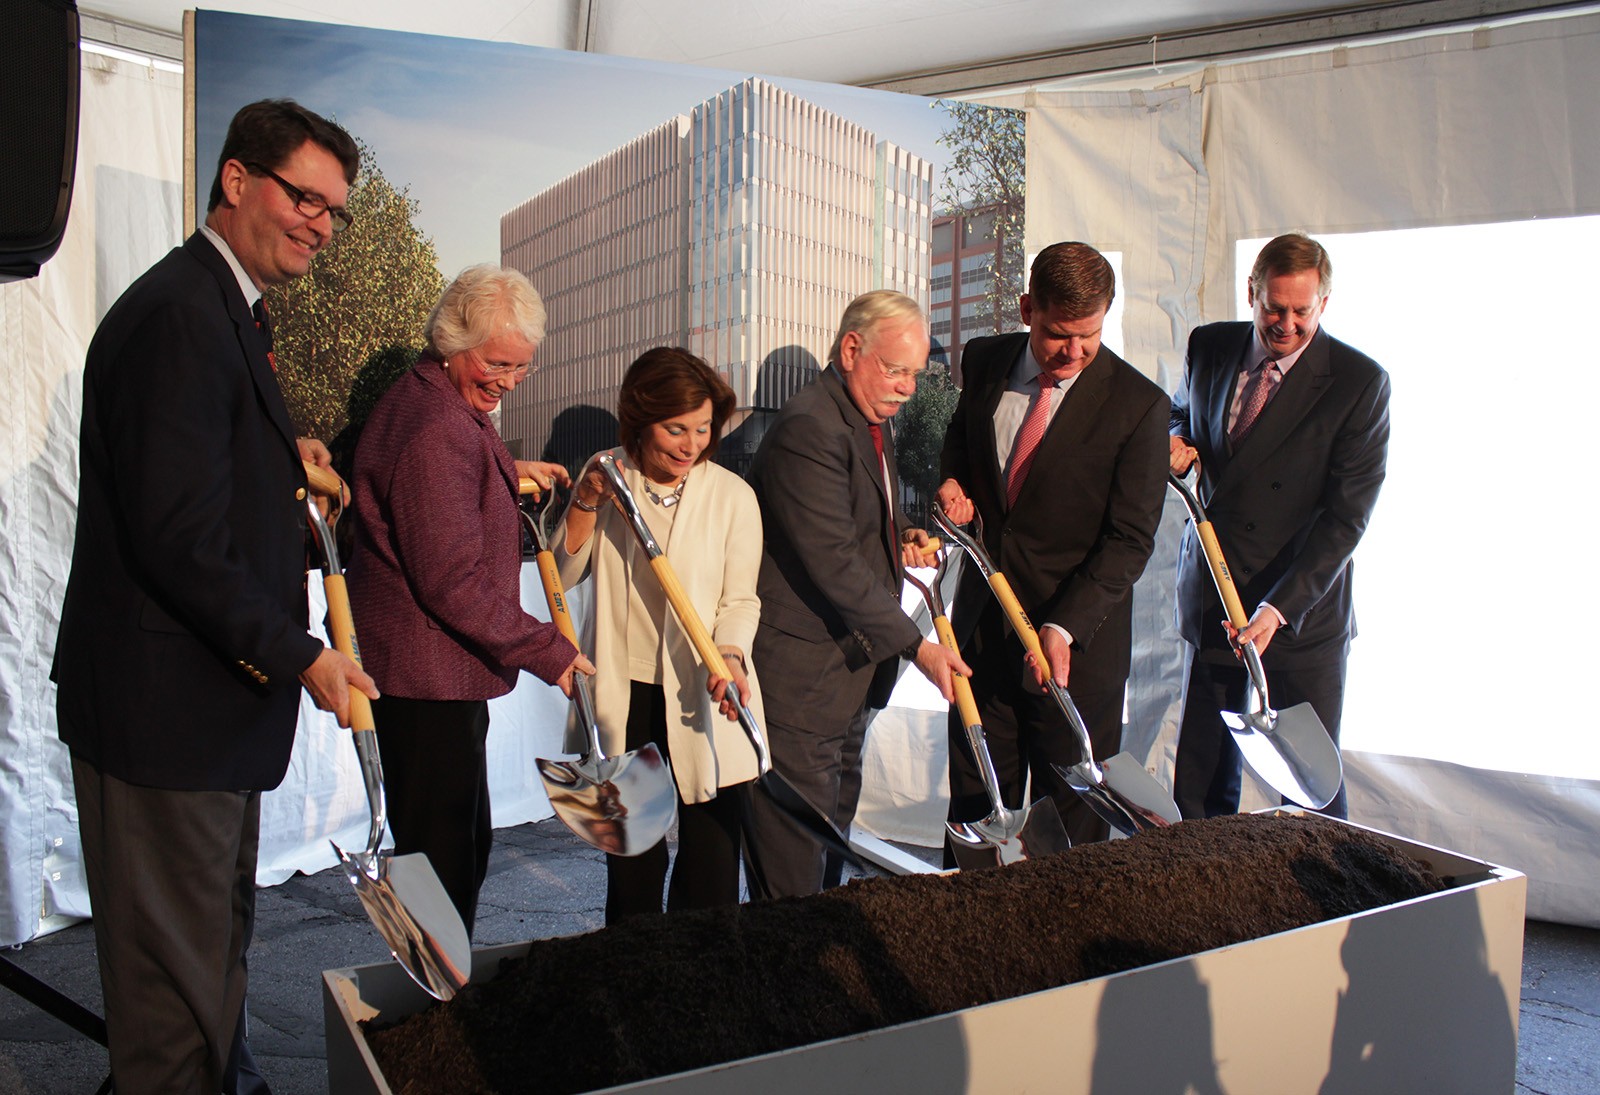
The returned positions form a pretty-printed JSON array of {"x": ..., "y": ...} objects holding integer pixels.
[
  {"x": 1026, "y": 733},
  {"x": 172, "y": 882},
  {"x": 436, "y": 779},
  {"x": 1208, "y": 774},
  {"x": 706, "y": 873}
]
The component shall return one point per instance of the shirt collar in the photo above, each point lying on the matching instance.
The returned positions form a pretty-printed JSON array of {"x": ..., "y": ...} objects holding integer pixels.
[{"x": 246, "y": 286}]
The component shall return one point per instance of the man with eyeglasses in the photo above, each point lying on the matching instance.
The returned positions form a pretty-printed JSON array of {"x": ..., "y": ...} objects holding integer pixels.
[
  {"x": 183, "y": 646},
  {"x": 1060, "y": 447},
  {"x": 832, "y": 630}
]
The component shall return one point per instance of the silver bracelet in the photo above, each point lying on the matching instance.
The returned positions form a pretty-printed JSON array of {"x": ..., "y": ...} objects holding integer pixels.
[{"x": 579, "y": 502}]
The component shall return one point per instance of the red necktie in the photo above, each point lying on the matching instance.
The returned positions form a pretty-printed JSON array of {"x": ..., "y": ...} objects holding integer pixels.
[
  {"x": 1028, "y": 438},
  {"x": 883, "y": 471},
  {"x": 1263, "y": 382}
]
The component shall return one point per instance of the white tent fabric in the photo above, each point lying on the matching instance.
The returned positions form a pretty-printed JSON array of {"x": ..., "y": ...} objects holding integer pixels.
[
  {"x": 124, "y": 216},
  {"x": 1494, "y": 125}
]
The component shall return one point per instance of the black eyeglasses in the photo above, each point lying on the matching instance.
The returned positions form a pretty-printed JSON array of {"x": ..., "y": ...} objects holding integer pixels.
[{"x": 307, "y": 205}]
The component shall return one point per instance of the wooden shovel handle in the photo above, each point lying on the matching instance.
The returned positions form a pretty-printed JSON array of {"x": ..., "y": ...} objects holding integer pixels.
[
  {"x": 342, "y": 629},
  {"x": 689, "y": 618},
  {"x": 1018, "y": 617},
  {"x": 963, "y": 687},
  {"x": 1222, "y": 575},
  {"x": 555, "y": 596},
  {"x": 322, "y": 481}
]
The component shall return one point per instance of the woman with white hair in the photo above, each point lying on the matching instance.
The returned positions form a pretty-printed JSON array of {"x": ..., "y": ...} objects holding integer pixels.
[{"x": 435, "y": 580}]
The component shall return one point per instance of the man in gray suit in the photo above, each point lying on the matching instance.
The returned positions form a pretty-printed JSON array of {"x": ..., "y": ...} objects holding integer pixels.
[
  {"x": 1291, "y": 428},
  {"x": 832, "y": 630}
]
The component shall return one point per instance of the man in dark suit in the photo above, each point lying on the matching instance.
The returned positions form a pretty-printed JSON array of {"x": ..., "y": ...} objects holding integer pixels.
[
  {"x": 1291, "y": 428},
  {"x": 832, "y": 629},
  {"x": 183, "y": 643},
  {"x": 1056, "y": 443}
]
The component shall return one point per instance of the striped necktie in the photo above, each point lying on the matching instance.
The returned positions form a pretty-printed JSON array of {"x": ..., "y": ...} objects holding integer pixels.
[{"x": 1028, "y": 438}]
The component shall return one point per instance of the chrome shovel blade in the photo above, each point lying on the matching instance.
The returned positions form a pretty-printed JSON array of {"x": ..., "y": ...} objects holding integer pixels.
[
  {"x": 993, "y": 842},
  {"x": 406, "y": 902},
  {"x": 622, "y": 805},
  {"x": 1122, "y": 794},
  {"x": 1291, "y": 751}
]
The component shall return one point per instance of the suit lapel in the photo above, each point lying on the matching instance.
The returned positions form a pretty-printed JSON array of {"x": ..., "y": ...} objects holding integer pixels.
[
  {"x": 861, "y": 447},
  {"x": 252, "y": 345},
  {"x": 1230, "y": 355},
  {"x": 996, "y": 374},
  {"x": 1294, "y": 400}
]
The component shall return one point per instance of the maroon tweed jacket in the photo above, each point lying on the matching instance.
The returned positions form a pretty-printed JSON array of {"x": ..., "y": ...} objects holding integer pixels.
[{"x": 435, "y": 582}]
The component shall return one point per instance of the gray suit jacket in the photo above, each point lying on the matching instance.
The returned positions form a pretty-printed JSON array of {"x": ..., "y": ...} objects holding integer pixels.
[
  {"x": 830, "y": 573},
  {"x": 1291, "y": 504}
]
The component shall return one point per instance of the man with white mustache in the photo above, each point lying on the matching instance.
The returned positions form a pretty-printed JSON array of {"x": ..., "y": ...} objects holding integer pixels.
[
  {"x": 1291, "y": 430},
  {"x": 832, "y": 630},
  {"x": 1057, "y": 443}
]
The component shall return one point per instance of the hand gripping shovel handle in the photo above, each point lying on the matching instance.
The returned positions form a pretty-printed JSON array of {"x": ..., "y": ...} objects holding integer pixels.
[
  {"x": 1024, "y": 629},
  {"x": 688, "y": 618},
  {"x": 1223, "y": 578},
  {"x": 1120, "y": 791},
  {"x": 342, "y": 632},
  {"x": 966, "y": 705},
  {"x": 556, "y": 598}
]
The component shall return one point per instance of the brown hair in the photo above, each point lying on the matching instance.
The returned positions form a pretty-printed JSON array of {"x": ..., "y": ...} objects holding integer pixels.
[
  {"x": 1071, "y": 277},
  {"x": 270, "y": 131},
  {"x": 665, "y": 382},
  {"x": 1291, "y": 253}
]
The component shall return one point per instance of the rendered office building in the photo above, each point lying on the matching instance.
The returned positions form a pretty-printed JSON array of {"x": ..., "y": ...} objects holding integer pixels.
[{"x": 740, "y": 231}]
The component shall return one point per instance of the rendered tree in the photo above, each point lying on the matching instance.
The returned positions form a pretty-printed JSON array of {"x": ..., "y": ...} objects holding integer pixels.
[
  {"x": 364, "y": 302},
  {"x": 919, "y": 431},
  {"x": 987, "y": 170}
]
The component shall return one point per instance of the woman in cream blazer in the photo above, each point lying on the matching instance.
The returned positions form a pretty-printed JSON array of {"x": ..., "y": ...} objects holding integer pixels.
[{"x": 650, "y": 685}]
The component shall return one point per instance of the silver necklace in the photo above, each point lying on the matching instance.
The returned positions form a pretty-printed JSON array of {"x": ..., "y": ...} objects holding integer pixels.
[{"x": 667, "y": 501}]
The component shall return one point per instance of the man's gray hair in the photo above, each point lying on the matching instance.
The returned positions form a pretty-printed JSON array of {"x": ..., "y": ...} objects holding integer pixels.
[
  {"x": 870, "y": 309},
  {"x": 481, "y": 303}
]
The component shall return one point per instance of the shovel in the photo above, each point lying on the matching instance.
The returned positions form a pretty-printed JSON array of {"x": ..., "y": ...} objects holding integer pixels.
[
  {"x": 1290, "y": 749},
  {"x": 1120, "y": 791},
  {"x": 1005, "y": 836},
  {"x": 783, "y": 794},
  {"x": 622, "y": 805},
  {"x": 402, "y": 895}
]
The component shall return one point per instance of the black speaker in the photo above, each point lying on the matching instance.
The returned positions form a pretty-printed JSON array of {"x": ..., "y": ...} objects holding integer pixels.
[{"x": 38, "y": 129}]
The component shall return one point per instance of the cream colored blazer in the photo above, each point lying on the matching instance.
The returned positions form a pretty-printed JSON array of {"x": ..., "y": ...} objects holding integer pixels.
[{"x": 715, "y": 549}]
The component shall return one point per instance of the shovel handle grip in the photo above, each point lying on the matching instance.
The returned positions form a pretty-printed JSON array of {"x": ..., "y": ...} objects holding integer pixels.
[
  {"x": 322, "y": 481},
  {"x": 962, "y": 687},
  {"x": 342, "y": 629},
  {"x": 1222, "y": 575},
  {"x": 555, "y": 597},
  {"x": 528, "y": 485}
]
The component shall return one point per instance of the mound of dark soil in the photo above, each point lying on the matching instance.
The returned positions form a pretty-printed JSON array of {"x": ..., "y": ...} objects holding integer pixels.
[{"x": 656, "y": 996}]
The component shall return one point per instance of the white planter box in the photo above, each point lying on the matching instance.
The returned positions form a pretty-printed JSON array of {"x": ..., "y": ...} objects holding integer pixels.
[{"x": 1416, "y": 997}]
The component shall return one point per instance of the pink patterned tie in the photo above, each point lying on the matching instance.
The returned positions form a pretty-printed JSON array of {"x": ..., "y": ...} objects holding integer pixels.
[
  {"x": 1027, "y": 443},
  {"x": 1263, "y": 382}
]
